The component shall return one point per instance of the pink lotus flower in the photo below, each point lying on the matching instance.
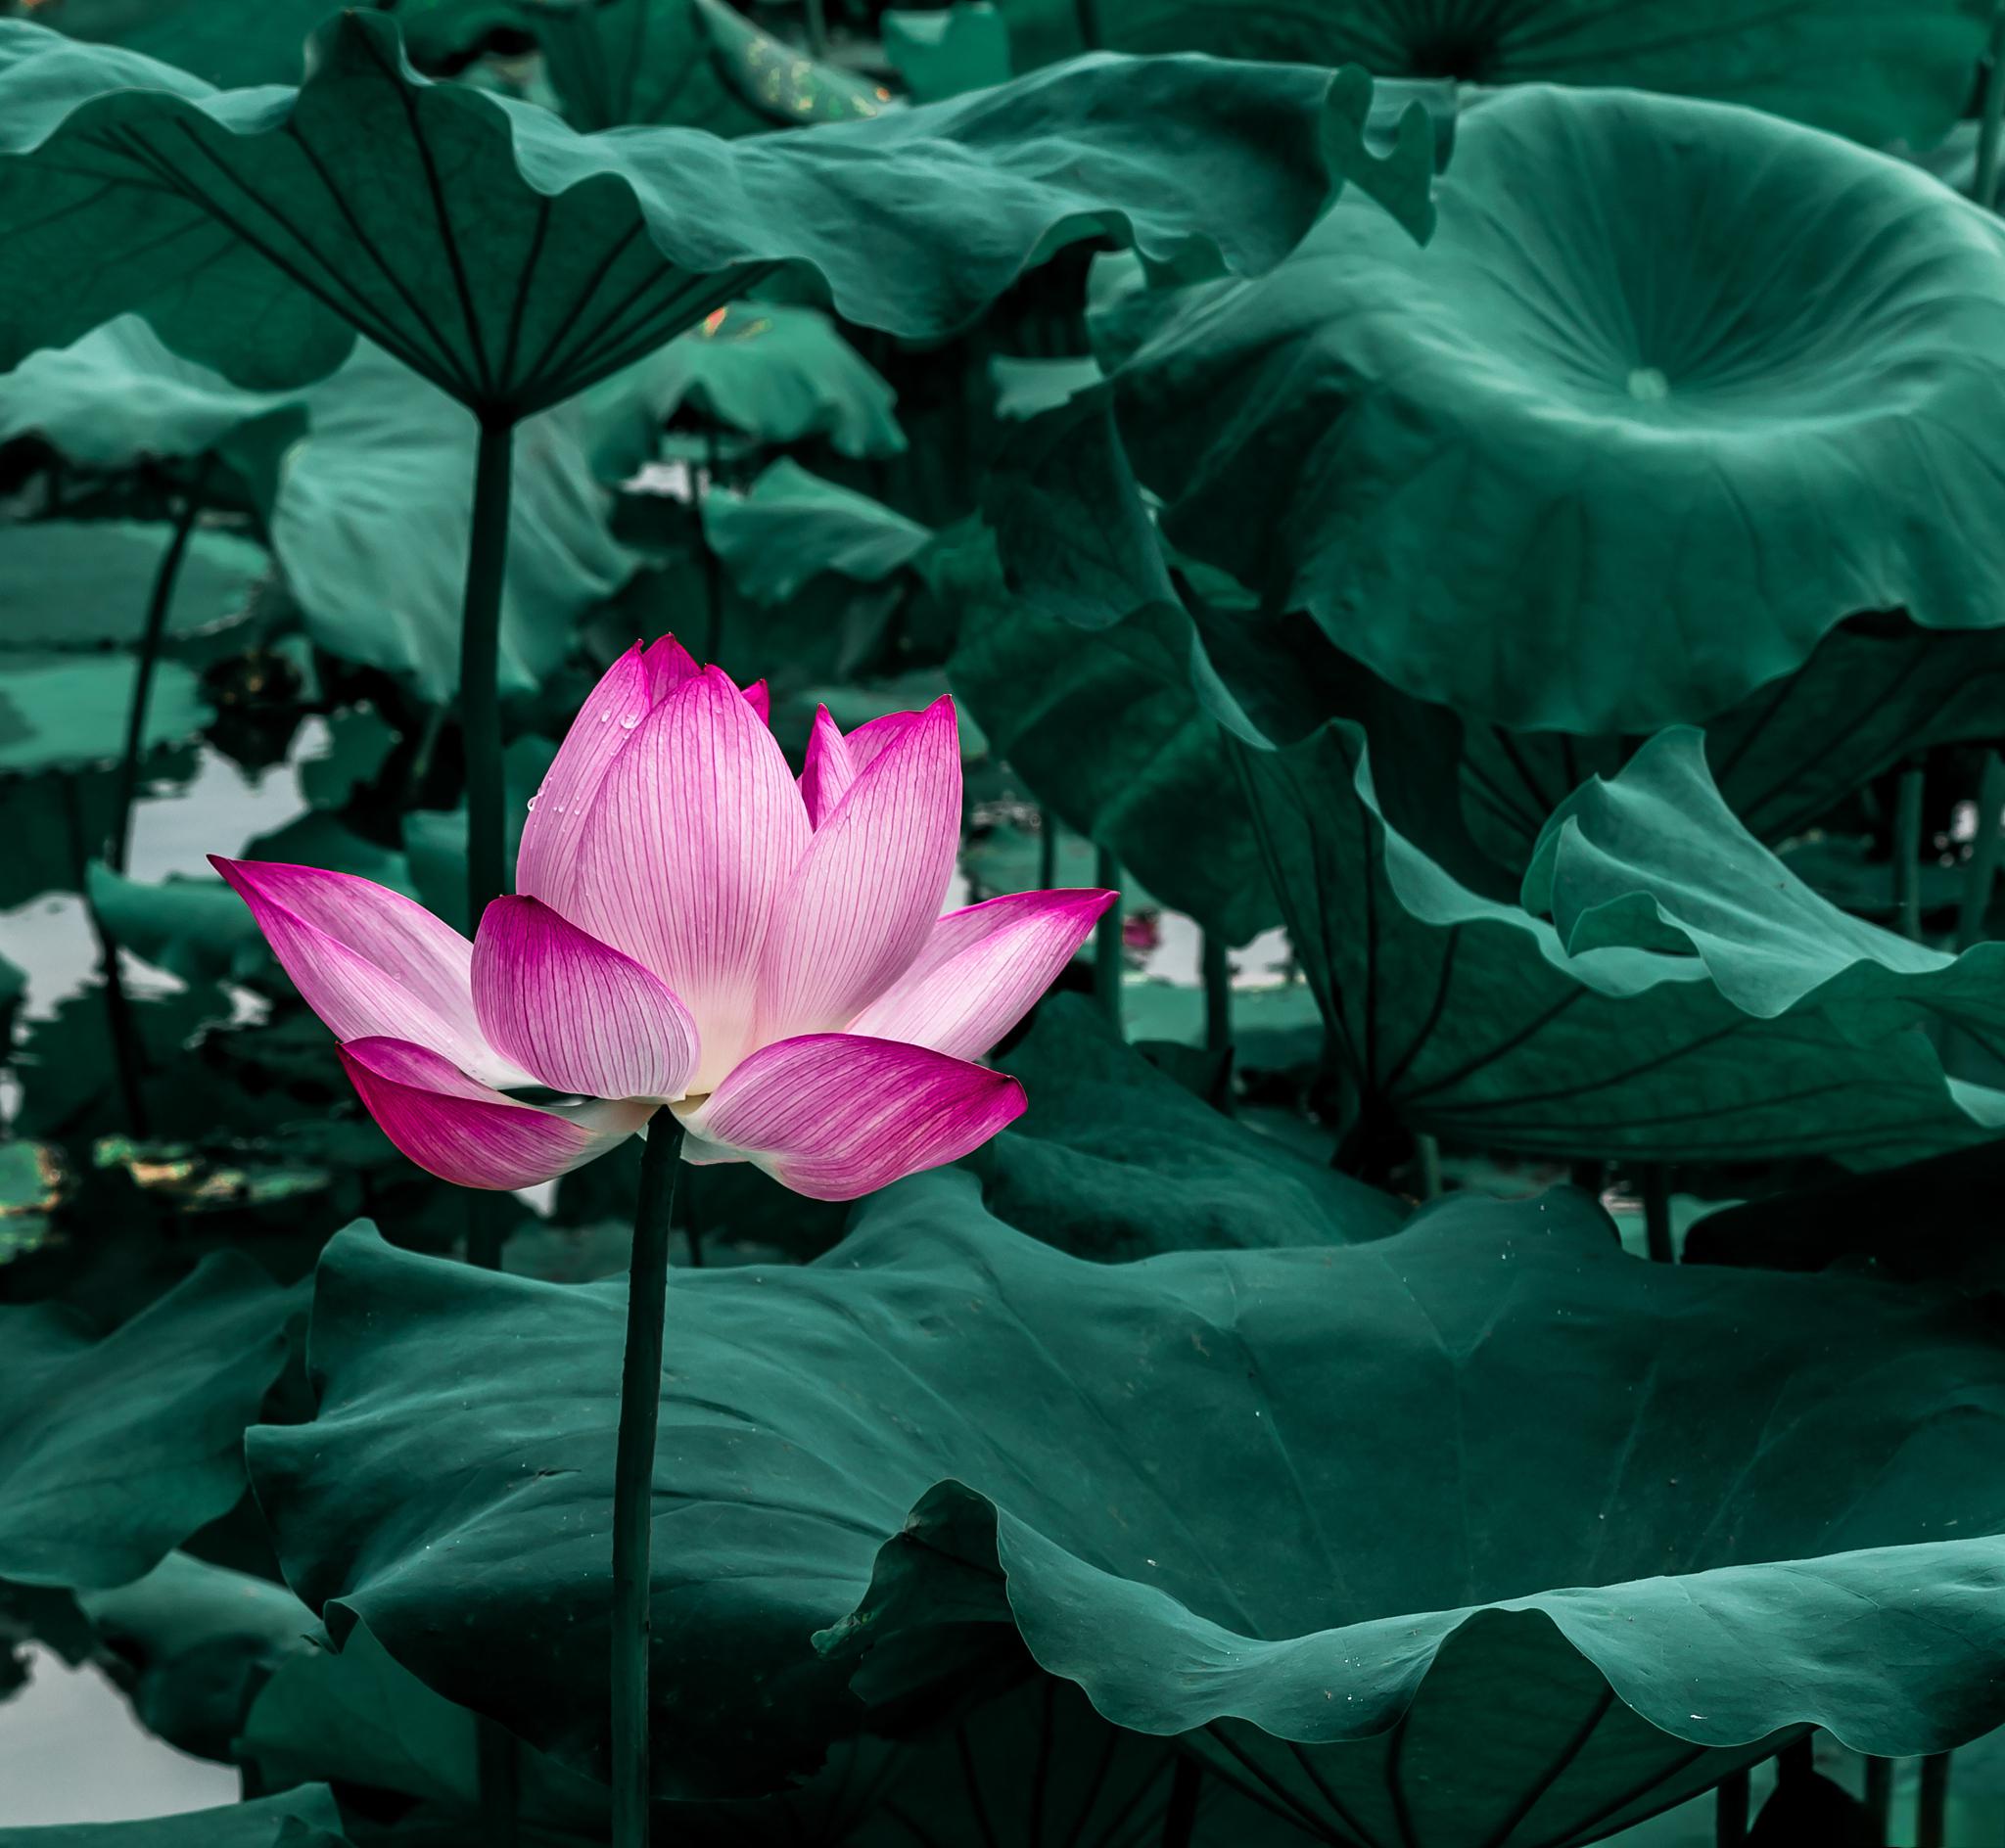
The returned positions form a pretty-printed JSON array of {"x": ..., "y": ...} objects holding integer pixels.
[{"x": 693, "y": 929}]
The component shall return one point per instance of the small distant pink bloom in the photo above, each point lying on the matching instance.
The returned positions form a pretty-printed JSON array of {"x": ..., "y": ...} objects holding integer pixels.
[{"x": 693, "y": 929}]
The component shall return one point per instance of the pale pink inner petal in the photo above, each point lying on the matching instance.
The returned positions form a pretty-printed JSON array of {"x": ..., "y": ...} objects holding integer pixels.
[
  {"x": 471, "y": 1135},
  {"x": 827, "y": 770},
  {"x": 834, "y": 1114},
  {"x": 981, "y": 969},
  {"x": 578, "y": 1013},
  {"x": 869, "y": 889},
  {"x": 370, "y": 961},
  {"x": 694, "y": 834},
  {"x": 547, "y": 862}
]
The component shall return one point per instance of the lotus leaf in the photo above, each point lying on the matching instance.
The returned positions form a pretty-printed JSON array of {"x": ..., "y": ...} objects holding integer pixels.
[
  {"x": 83, "y": 583},
  {"x": 300, "y": 1819},
  {"x": 117, "y": 1449},
  {"x": 64, "y": 712},
  {"x": 1575, "y": 471},
  {"x": 1874, "y": 68},
  {"x": 1751, "y": 1533},
  {"x": 514, "y": 262},
  {"x": 790, "y": 526}
]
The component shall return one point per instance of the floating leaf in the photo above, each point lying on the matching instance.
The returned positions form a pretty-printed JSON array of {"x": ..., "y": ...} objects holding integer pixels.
[
  {"x": 1877, "y": 70},
  {"x": 1153, "y": 1501},
  {"x": 61, "y": 711},
  {"x": 74, "y": 583},
  {"x": 158, "y": 1406},
  {"x": 1542, "y": 473},
  {"x": 309, "y": 1813},
  {"x": 231, "y": 47},
  {"x": 513, "y": 261},
  {"x": 196, "y": 929}
]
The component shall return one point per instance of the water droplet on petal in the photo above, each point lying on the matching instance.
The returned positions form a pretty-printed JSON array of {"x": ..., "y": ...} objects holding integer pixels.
[
  {"x": 630, "y": 720},
  {"x": 532, "y": 801}
]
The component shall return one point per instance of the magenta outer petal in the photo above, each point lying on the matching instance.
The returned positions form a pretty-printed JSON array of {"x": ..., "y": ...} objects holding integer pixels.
[
  {"x": 874, "y": 737},
  {"x": 827, "y": 770},
  {"x": 468, "y": 1134},
  {"x": 669, "y": 664},
  {"x": 546, "y": 866},
  {"x": 758, "y": 696},
  {"x": 694, "y": 836},
  {"x": 368, "y": 960},
  {"x": 867, "y": 890},
  {"x": 576, "y": 1013},
  {"x": 982, "y": 970},
  {"x": 835, "y": 1115}
]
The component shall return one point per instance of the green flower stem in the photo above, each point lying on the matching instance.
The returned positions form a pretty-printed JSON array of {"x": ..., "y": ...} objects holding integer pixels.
[
  {"x": 1657, "y": 1210},
  {"x": 1931, "y": 1815},
  {"x": 480, "y": 666},
  {"x": 1048, "y": 850},
  {"x": 1984, "y": 183},
  {"x": 1428, "y": 1148},
  {"x": 1730, "y": 1811},
  {"x": 1218, "y": 995},
  {"x": 818, "y": 28},
  {"x": 1907, "y": 852},
  {"x": 713, "y": 570},
  {"x": 1088, "y": 14},
  {"x": 1106, "y": 941},
  {"x": 1981, "y": 873},
  {"x": 1879, "y": 1795},
  {"x": 1179, "y": 1817},
  {"x": 641, "y": 1397},
  {"x": 158, "y": 606}
]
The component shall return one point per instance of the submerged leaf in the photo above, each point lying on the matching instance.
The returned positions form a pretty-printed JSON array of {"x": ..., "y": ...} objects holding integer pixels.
[
  {"x": 61, "y": 712},
  {"x": 85, "y": 584}
]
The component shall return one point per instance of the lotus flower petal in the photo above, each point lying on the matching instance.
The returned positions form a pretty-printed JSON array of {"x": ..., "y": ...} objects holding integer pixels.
[
  {"x": 981, "y": 969},
  {"x": 836, "y": 1115},
  {"x": 370, "y": 961},
  {"x": 689, "y": 843},
  {"x": 473, "y": 1136},
  {"x": 867, "y": 890},
  {"x": 759, "y": 697},
  {"x": 579, "y": 1014},
  {"x": 669, "y": 664},
  {"x": 827, "y": 770},
  {"x": 546, "y": 866}
]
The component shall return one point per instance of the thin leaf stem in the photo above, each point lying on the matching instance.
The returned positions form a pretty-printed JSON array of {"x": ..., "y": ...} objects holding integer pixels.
[
  {"x": 158, "y": 603},
  {"x": 1730, "y": 1810},
  {"x": 1180, "y": 1820},
  {"x": 1657, "y": 1211},
  {"x": 1106, "y": 941},
  {"x": 1048, "y": 850},
  {"x": 1218, "y": 994},
  {"x": 480, "y": 666},
  {"x": 1981, "y": 873},
  {"x": 1907, "y": 852},
  {"x": 640, "y": 1389},
  {"x": 1932, "y": 1815}
]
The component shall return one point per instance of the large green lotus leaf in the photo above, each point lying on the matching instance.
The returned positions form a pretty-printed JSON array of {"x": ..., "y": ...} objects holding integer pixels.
[
  {"x": 1873, "y": 68},
  {"x": 113, "y": 1450},
  {"x": 119, "y": 395},
  {"x": 1872, "y": 693},
  {"x": 791, "y": 526},
  {"x": 85, "y": 584},
  {"x": 1076, "y": 659},
  {"x": 635, "y": 60},
  {"x": 1591, "y": 473},
  {"x": 197, "y": 929},
  {"x": 64, "y": 712},
  {"x": 370, "y": 511},
  {"x": 777, "y": 374},
  {"x": 1114, "y": 1159},
  {"x": 231, "y": 46},
  {"x": 1689, "y": 997},
  {"x": 514, "y": 262},
  {"x": 1702, "y": 1542},
  {"x": 307, "y": 1816}
]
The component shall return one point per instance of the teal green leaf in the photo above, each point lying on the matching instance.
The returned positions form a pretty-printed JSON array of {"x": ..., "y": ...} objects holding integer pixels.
[
  {"x": 862, "y": 1430},
  {"x": 790, "y": 526},
  {"x": 942, "y": 53},
  {"x": 118, "y": 396},
  {"x": 162, "y": 1402},
  {"x": 629, "y": 62},
  {"x": 196, "y": 929},
  {"x": 1115, "y": 1161},
  {"x": 513, "y": 262},
  {"x": 259, "y": 1824},
  {"x": 774, "y": 372},
  {"x": 1082, "y": 679},
  {"x": 1562, "y": 470},
  {"x": 1688, "y": 998},
  {"x": 1875, "y": 70},
  {"x": 778, "y": 80},
  {"x": 61, "y": 711},
  {"x": 372, "y": 507},
  {"x": 434, "y": 839},
  {"x": 76, "y": 584},
  {"x": 232, "y": 47}
]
